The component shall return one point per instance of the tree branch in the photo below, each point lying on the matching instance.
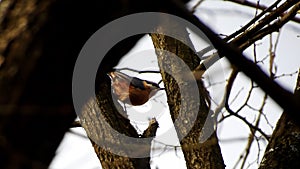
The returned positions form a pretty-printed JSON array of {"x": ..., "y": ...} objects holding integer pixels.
[
  {"x": 245, "y": 27},
  {"x": 271, "y": 28},
  {"x": 284, "y": 98},
  {"x": 263, "y": 22},
  {"x": 261, "y": 7},
  {"x": 231, "y": 112}
]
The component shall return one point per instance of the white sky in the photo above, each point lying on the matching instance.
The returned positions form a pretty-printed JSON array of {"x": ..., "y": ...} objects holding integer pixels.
[{"x": 223, "y": 17}]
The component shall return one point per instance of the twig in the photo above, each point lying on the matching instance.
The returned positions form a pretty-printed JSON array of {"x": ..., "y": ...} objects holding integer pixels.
[
  {"x": 78, "y": 134},
  {"x": 139, "y": 71},
  {"x": 228, "y": 91},
  {"x": 253, "y": 128},
  {"x": 248, "y": 97},
  {"x": 246, "y": 122},
  {"x": 235, "y": 97},
  {"x": 261, "y": 7},
  {"x": 165, "y": 147},
  {"x": 285, "y": 74},
  {"x": 252, "y": 21},
  {"x": 249, "y": 4},
  {"x": 267, "y": 30},
  {"x": 284, "y": 98},
  {"x": 230, "y": 140},
  {"x": 263, "y": 22},
  {"x": 226, "y": 94},
  {"x": 252, "y": 136},
  {"x": 196, "y": 6},
  {"x": 75, "y": 124},
  {"x": 277, "y": 41}
]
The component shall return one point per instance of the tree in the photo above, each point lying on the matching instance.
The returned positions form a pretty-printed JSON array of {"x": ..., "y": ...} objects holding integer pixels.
[{"x": 40, "y": 42}]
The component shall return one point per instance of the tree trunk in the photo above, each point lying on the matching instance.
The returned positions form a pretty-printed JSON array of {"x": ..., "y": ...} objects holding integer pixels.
[
  {"x": 34, "y": 112},
  {"x": 39, "y": 44},
  {"x": 205, "y": 155}
]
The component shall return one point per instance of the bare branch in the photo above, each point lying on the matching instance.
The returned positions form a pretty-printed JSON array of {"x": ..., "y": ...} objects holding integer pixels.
[
  {"x": 231, "y": 112},
  {"x": 252, "y": 21},
  {"x": 286, "y": 74},
  {"x": 269, "y": 29},
  {"x": 75, "y": 124},
  {"x": 140, "y": 71},
  {"x": 261, "y": 7},
  {"x": 250, "y": 4},
  {"x": 196, "y": 6},
  {"x": 263, "y": 22},
  {"x": 246, "y": 121}
]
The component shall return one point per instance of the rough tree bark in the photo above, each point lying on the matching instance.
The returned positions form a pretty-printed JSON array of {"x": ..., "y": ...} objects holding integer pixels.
[{"x": 197, "y": 155}]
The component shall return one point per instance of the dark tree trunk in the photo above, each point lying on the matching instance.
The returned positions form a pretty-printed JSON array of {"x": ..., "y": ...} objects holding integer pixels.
[
  {"x": 36, "y": 105},
  {"x": 39, "y": 44}
]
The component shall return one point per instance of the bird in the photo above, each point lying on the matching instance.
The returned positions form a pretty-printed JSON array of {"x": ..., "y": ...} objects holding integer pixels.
[{"x": 132, "y": 90}]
